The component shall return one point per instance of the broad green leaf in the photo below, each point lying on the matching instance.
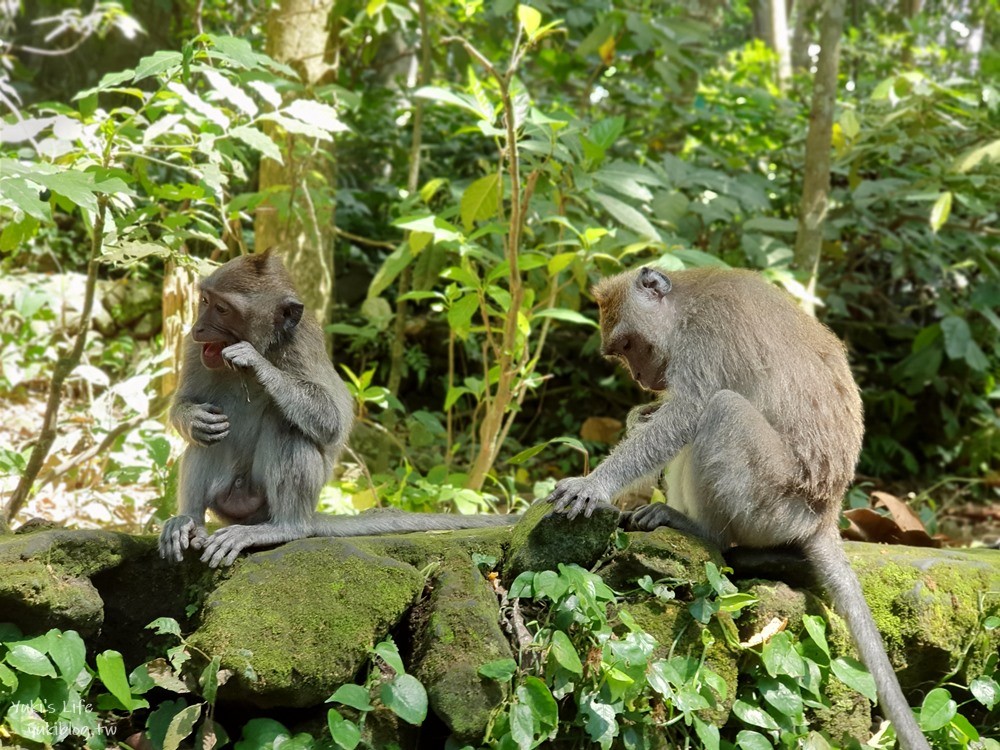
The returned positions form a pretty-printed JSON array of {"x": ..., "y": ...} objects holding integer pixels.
[
  {"x": 406, "y": 698},
  {"x": 30, "y": 660},
  {"x": 781, "y": 658},
  {"x": 111, "y": 670},
  {"x": 181, "y": 726},
  {"x": 940, "y": 211},
  {"x": 315, "y": 113},
  {"x": 158, "y": 62},
  {"x": 605, "y": 133},
  {"x": 235, "y": 50},
  {"x": 754, "y": 715},
  {"x": 354, "y": 696},
  {"x": 937, "y": 710},
  {"x": 344, "y": 733},
  {"x": 565, "y": 654},
  {"x": 523, "y": 586},
  {"x": 77, "y": 187},
  {"x": 259, "y": 141},
  {"x": 849, "y": 124},
  {"x": 69, "y": 653},
  {"x": 232, "y": 93},
  {"x": 464, "y": 101},
  {"x": 990, "y": 153},
  {"x": 749, "y": 740},
  {"x": 389, "y": 653},
  {"x": 535, "y": 693},
  {"x": 18, "y": 192},
  {"x": 779, "y": 694},
  {"x": 600, "y": 722},
  {"x": 479, "y": 201},
  {"x": 500, "y": 670},
  {"x": 460, "y": 314},
  {"x": 853, "y": 674},
  {"x": 390, "y": 269},
  {"x": 527, "y": 453},
  {"x": 568, "y": 316},
  {"x": 267, "y": 92},
  {"x": 522, "y": 726},
  {"x": 707, "y": 733},
  {"x": 530, "y": 19},
  {"x": 771, "y": 224},
  {"x": 165, "y": 626},
  {"x": 628, "y": 216},
  {"x": 816, "y": 627},
  {"x": 986, "y": 691},
  {"x": 209, "y": 679}
]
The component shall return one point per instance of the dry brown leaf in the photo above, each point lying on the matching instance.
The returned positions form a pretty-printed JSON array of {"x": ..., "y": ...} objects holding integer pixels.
[
  {"x": 775, "y": 626},
  {"x": 901, "y": 513},
  {"x": 601, "y": 429}
]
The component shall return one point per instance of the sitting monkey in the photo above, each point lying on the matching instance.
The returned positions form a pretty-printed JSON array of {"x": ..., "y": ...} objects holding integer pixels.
[
  {"x": 266, "y": 416},
  {"x": 760, "y": 430}
]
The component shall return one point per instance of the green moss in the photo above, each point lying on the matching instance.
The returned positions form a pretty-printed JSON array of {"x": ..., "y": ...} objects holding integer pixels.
[
  {"x": 660, "y": 554},
  {"x": 421, "y": 549},
  {"x": 544, "y": 539},
  {"x": 36, "y": 597},
  {"x": 456, "y": 632},
  {"x": 296, "y": 622}
]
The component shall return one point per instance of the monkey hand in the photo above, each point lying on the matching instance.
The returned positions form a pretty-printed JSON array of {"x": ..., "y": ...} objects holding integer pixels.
[
  {"x": 223, "y": 547},
  {"x": 576, "y": 494},
  {"x": 243, "y": 355},
  {"x": 207, "y": 424},
  {"x": 179, "y": 533}
]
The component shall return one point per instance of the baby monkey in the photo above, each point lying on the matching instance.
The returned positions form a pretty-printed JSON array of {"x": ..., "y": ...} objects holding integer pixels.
[{"x": 760, "y": 430}]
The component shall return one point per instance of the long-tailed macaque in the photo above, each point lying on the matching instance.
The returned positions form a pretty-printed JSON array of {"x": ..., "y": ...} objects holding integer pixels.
[
  {"x": 760, "y": 428},
  {"x": 266, "y": 416}
]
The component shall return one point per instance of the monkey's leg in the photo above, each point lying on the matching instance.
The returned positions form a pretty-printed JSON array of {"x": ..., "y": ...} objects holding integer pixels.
[{"x": 655, "y": 515}]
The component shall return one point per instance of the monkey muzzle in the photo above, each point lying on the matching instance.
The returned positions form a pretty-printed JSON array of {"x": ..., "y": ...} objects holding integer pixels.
[{"x": 211, "y": 354}]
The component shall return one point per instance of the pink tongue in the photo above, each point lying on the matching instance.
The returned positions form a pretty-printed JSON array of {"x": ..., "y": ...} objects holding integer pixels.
[{"x": 212, "y": 350}]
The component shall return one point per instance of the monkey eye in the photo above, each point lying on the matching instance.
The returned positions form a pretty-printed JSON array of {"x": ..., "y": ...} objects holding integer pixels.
[
  {"x": 626, "y": 345},
  {"x": 221, "y": 309},
  {"x": 204, "y": 300}
]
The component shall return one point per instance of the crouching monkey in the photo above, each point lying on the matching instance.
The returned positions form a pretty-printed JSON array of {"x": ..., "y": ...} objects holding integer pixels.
[
  {"x": 760, "y": 430},
  {"x": 266, "y": 416}
]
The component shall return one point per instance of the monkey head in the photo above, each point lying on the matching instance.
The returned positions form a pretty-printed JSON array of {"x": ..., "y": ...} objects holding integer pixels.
[
  {"x": 636, "y": 309},
  {"x": 251, "y": 298}
]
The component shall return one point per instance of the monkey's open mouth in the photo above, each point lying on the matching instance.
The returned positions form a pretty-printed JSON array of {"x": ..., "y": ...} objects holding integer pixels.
[{"x": 211, "y": 354}]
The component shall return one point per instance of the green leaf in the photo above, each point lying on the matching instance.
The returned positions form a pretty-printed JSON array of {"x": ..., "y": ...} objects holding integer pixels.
[
  {"x": 354, "y": 696},
  {"x": 180, "y": 726},
  {"x": 479, "y": 201},
  {"x": 781, "y": 658},
  {"x": 317, "y": 114},
  {"x": 627, "y": 216},
  {"x": 959, "y": 344},
  {"x": 259, "y": 141},
  {"x": 209, "y": 679},
  {"x": 77, "y": 187},
  {"x": 530, "y": 19},
  {"x": 568, "y": 316},
  {"x": 779, "y": 694},
  {"x": 464, "y": 101},
  {"x": 600, "y": 722},
  {"x": 707, "y": 733},
  {"x": 165, "y": 626},
  {"x": 754, "y": 715},
  {"x": 389, "y": 653},
  {"x": 849, "y": 124},
  {"x": 158, "y": 62},
  {"x": 937, "y": 710},
  {"x": 406, "y": 698},
  {"x": 986, "y": 691},
  {"x": 499, "y": 670},
  {"x": 24, "y": 196},
  {"x": 940, "y": 211},
  {"x": 816, "y": 627},
  {"x": 391, "y": 267},
  {"x": 748, "y": 740},
  {"x": 345, "y": 734},
  {"x": 460, "y": 314},
  {"x": 535, "y": 694},
  {"x": 69, "y": 653},
  {"x": 990, "y": 153},
  {"x": 522, "y": 726},
  {"x": 605, "y": 133},
  {"x": 30, "y": 660},
  {"x": 565, "y": 654},
  {"x": 111, "y": 670},
  {"x": 771, "y": 224},
  {"x": 235, "y": 50},
  {"x": 523, "y": 586},
  {"x": 853, "y": 674}
]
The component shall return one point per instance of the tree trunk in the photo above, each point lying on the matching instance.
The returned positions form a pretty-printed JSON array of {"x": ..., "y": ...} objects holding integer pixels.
[
  {"x": 816, "y": 184},
  {"x": 778, "y": 33},
  {"x": 180, "y": 310},
  {"x": 297, "y": 36}
]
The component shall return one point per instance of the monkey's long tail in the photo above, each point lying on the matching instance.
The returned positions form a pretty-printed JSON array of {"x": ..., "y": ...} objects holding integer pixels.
[
  {"x": 826, "y": 553},
  {"x": 400, "y": 522}
]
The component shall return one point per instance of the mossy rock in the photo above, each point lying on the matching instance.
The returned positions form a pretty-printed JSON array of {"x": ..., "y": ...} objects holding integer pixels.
[
  {"x": 543, "y": 539},
  {"x": 455, "y": 632},
  {"x": 296, "y": 622},
  {"x": 661, "y": 554},
  {"x": 45, "y": 577},
  {"x": 423, "y": 548}
]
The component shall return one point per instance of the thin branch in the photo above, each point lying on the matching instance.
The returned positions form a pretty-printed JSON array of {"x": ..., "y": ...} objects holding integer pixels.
[{"x": 364, "y": 240}]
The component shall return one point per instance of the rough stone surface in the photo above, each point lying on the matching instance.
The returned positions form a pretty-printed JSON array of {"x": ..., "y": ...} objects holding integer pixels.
[
  {"x": 660, "y": 554},
  {"x": 455, "y": 633},
  {"x": 543, "y": 539},
  {"x": 296, "y": 622}
]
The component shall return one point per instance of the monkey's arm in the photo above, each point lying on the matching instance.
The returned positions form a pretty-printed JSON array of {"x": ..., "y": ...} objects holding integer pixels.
[
  {"x": 643, "y": 452},
  {"x": 224, "y": 545},
  {"x": 311, "y": 406},
  {"x": 200, "y": 423}
]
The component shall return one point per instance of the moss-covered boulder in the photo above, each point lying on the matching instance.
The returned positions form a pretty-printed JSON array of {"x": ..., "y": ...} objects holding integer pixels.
[
  {"x": 456, "y": 631},
  {"x": 45, "y": 577},
  {"x": 660, "y": 554},
  {"x": 296, "y": 622},
  {"x": 543, "y": 539}
]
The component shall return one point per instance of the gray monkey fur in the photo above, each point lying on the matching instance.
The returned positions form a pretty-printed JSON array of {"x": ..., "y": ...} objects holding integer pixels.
[
  {"x": 266, "y": 416},
  {"x": 760, "y": 430}
]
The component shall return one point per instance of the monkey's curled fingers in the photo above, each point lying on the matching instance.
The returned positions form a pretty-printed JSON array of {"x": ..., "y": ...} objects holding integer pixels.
[
  {"x": 208, "y": 424},
  {"x": 179, "y": 533},
  {"x": 242, "y": 354},
  {"x": 225, "y": 545},
  {"x": 578, "y": 494}
]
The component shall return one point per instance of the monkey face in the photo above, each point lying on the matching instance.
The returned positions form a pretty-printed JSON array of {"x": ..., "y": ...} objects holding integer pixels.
[
  {"x": 219, "y": 325},
  {"x": 639, "y": 356}
]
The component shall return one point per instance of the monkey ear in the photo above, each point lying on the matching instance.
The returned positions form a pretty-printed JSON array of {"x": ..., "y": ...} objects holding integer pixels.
[
  {"x": 289, "y": 314},
  {"x": 654, "y": 283}
]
